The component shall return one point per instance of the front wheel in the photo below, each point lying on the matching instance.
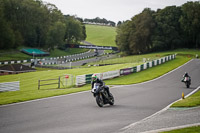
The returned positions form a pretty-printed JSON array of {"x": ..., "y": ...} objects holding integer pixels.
[
  {"x": 188, "y": 86},
  {"x": 99, "y": 100},
  {"x": 111, "y": 100}
]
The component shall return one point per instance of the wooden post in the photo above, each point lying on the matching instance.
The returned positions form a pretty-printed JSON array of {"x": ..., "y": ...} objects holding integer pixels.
[
  {"x": 38, "y": 84},
  {"x": 59, "y": 82}
]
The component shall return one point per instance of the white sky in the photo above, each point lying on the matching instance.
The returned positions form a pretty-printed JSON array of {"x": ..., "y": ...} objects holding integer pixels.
[{"x": 114, "y": 10}]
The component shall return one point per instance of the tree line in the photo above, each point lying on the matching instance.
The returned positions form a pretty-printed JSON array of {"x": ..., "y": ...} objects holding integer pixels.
[
  {"x": 98, "y": 20},
  {"x": 34, "y": 23},
  {"x": 165, "y": 29}
]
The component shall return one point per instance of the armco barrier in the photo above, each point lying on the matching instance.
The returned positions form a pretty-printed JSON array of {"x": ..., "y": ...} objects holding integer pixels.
[
  {"x": 88, "y": 78},
  {"x": 138, "y": 68},
  {"x": 110, "y": 74},
  {"x": 80, "y": 80},
  {"x": 134, "y": 69}
]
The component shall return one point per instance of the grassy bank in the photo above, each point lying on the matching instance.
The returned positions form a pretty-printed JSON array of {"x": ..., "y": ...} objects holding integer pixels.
[{"x": 101, "y": 35}]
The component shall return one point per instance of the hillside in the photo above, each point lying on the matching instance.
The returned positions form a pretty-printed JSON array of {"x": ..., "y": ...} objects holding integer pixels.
[{"x": 101, "y": 35}]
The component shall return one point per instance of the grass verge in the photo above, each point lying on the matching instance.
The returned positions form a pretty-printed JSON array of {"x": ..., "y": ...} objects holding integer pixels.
[
  {"x": 195, "y": 129},
  {"x": 191, "y": 101}
]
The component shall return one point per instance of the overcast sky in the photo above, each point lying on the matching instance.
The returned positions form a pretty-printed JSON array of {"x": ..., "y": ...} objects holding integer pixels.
[{"x": 114, "y": 10}]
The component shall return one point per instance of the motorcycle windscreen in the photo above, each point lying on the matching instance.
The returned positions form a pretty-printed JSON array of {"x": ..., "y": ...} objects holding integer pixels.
[{"x": 95, "y": 88}]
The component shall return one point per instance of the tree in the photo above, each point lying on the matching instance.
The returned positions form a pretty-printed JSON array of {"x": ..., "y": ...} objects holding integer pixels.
[
  {"x": 190, "y": 23},
  {"x": 7, "y": 37},
  {"x": 56, "y": 35},
  {"x": 84, "y": 32},
  {"x": 167, "y": 33},
  {"x": 74, "y": 30},
  {"x": 123, "y": 32},
  {"x": 134, "y": 36},
  {"x": 119, "y": 23},
  {"x": 141, "y": 38},
  {"x": 98, "y": 20}
]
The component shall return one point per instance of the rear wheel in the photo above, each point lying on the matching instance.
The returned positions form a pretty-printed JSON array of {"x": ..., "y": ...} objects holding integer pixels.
[{"x": 99, "y": 100}]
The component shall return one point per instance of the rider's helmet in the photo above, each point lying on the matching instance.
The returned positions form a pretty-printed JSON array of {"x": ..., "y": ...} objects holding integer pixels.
[
  {"x": 186, "y": 74},
  {"x": 94, "y": 77}
]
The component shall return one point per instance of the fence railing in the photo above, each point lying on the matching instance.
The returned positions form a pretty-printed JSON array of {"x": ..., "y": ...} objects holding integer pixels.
[{"x": 45, "y": 84}]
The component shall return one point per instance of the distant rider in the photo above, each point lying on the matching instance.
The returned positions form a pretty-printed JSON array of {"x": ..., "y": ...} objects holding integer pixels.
[
  {"x": 186, "y": 75},
  {"x": 95, "y": 79}
]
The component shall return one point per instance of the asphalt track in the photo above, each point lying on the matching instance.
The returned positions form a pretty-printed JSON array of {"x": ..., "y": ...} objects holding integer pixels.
[{"x": 78, "y": 113}]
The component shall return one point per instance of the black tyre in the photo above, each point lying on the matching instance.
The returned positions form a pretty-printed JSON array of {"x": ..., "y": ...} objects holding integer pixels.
[
  {"x": 188, "y": 86},
  {"x": 111, "y": 100},
  {"x": 99, "y": 100}
]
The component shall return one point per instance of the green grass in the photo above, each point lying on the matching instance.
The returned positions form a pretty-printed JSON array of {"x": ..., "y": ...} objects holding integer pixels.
[
  {"x": 195, "y": 129},
  {"x": 29, "y": 81},
  {"x": 101, "y": 35},
  {"x": 13, "y": 55},
  {"x": 71, "y": 51}
]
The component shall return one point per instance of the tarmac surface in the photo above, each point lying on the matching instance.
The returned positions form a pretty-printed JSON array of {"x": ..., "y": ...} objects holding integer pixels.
[{"x": 170, "y": 119}]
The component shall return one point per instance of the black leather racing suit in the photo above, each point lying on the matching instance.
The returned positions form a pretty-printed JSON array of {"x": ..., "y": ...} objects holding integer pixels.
[{"x": 101, "y": 84}]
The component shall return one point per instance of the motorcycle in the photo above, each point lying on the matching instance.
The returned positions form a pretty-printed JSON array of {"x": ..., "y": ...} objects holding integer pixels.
[
  {"x": 102, "y": 96},
  {"x": 187, "y": 81}
]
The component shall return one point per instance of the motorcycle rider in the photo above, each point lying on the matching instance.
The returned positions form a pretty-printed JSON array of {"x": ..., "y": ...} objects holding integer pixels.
[
  {"x": 95, "y": 79},
  {"x": 186, "y": 75}
]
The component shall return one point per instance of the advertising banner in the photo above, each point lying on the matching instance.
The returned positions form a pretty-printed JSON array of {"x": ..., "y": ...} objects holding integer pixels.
[
  {"x": 92, "y": 47},
  {"x": 110, "y": 74},
  {"x": 126, "y": 71}
]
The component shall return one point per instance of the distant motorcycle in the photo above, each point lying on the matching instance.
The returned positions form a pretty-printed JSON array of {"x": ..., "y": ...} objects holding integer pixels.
[
  {"x": 187, "y": 81},
  {"x": 101, "y": 95}
]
